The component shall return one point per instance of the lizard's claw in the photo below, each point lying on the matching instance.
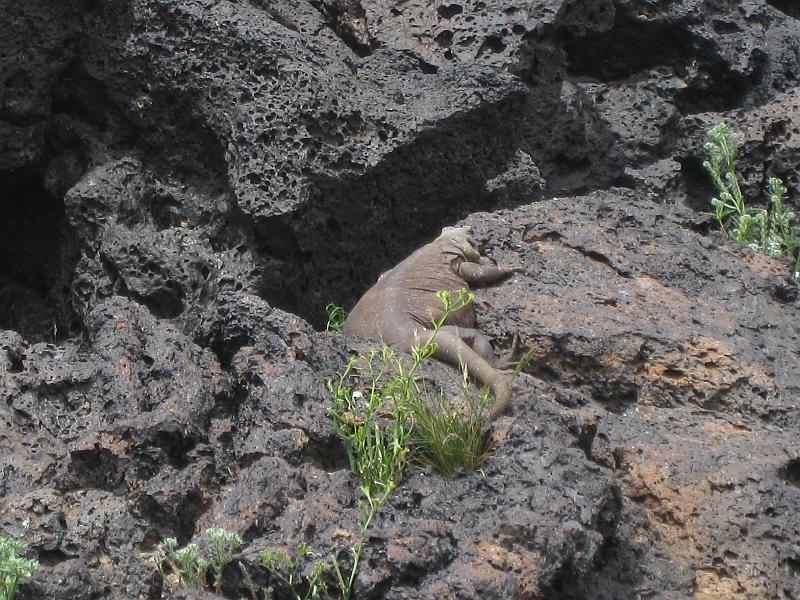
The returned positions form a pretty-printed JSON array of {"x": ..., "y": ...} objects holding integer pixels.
[{"x": 509, "y": 360}]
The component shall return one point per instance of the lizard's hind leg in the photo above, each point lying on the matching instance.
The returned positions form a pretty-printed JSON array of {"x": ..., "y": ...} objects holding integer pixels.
[
  {"x": 480, "y": 343},
  {"x": 475, "y": 340},
  {"x": 452, "y": 349}
]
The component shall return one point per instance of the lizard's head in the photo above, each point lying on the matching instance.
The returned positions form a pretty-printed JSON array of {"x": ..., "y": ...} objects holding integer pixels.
[
  {"x": 457, "y": 232},
  {"x": 461, "y": 239}
]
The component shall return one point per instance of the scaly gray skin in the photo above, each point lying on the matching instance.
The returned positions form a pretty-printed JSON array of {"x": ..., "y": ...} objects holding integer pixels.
[{"x": 400, "y": 308}]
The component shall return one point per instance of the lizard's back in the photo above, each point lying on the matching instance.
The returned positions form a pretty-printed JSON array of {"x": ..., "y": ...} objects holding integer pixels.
[{"x": 404, "y": 298}]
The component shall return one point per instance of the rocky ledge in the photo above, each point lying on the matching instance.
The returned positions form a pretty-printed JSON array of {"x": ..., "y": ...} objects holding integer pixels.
[{"x": 186, "y": 184}]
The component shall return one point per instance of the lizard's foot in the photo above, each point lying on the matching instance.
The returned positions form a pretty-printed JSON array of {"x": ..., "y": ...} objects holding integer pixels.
[
  {"x": 515, "y": 270},
  {"x": 509, "y": 360}
]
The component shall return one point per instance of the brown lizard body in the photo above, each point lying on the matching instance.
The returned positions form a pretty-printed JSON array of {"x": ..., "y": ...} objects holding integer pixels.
[{"x": 400, "y": 308}]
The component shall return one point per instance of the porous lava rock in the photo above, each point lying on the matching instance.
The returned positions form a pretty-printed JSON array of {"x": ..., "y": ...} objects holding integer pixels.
[
  {"x": 675, "y": 349},
  {"x": 186, "y": 184}
]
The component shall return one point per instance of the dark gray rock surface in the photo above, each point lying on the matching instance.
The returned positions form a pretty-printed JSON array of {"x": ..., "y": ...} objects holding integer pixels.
[
  {"x": 682, "y": 359},
  {"x": 186, "y": 184}
]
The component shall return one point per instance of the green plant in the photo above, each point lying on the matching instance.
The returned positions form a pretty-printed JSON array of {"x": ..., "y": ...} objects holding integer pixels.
[
  {"x": 392, "y": 413},
  {"x": 336, "y": 317},
  {"x": 288, "y": 572},
  {"x": 774, "y": 231},
  {"x": 12, "y": 567},
  {"x": 187, "y": 568},
  {"x": 448, "y": 437},
  {"x": 375, "y": 432},
  {"x": 222, "y": 545},
  {"x": 375, "y": 445}
]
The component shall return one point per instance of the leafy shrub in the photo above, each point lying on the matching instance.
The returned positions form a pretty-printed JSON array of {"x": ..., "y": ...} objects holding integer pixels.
[
  {"x": 187, "y": 568},
  {"x": 774, "y": 231}
]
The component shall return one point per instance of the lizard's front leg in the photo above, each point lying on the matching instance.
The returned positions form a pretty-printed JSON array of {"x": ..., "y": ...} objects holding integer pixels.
[{"x": 485, "y": 272}]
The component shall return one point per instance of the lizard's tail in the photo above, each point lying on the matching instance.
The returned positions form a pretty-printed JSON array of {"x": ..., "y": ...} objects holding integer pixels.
[{"x": 502, "y": 397}]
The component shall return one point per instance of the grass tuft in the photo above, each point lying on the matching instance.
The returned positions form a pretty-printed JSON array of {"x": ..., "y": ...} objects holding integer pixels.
[{"x": 447, "y": 437}]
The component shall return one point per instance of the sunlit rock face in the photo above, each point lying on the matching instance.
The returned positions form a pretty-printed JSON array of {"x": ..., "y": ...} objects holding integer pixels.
[{"x": 186, "y": 184}]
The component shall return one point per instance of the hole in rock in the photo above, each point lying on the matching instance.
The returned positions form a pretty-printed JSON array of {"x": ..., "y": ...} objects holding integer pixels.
[
  {"x": 329, "y": 457},
  {"x": 175, "y": 508},
  {"x": 444, "y": 39},
  {"x": 491, "y": 45},
  {"x": 448, "y": 11},
  {"x": 793, "y": 566},
  {"x": 35, "y": 258},
  {"x": 632, "y": 46},
  {"x": 356, "y": 228},
  {"x": 697, "y": 182},
  {"x": 789, "y": 7},
  {"x": 50, "y": 558},
  {"x": 97, "y": 468},
  {"x": 629, "y": 47},
  {"x": 790, "y": 472},
  {"x": 175, "y": 447},
  {"x": 586, "y": 436}
]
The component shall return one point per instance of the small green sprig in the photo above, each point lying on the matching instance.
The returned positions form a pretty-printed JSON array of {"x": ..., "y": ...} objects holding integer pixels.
[
  {"x": 336, "y": 317},
  {"x": 288, "y": 572},
  {"x": 221, "y": 548},
  {"x": 376, "y": 450},
  {"x": 186, "y": 567},
  {"x": 13, "y": 568}
]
